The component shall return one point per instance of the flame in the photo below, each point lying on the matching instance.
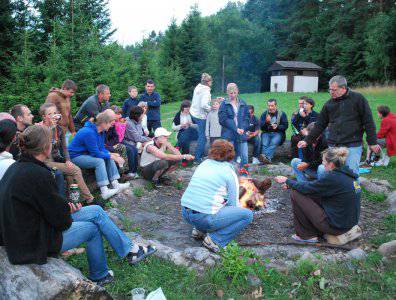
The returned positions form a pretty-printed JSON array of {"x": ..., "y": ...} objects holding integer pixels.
[{"x": 251, "y": 197}]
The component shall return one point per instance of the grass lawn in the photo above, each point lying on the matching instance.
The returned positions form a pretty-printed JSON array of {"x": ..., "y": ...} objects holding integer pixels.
[{"x": 372, "y": 278}]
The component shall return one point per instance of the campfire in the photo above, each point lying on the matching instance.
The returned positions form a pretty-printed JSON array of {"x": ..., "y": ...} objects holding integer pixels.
[{"x": 251, "y": 192}]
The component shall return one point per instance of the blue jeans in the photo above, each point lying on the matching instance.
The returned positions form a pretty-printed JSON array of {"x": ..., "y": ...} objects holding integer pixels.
[
  {"x": 60, "y": 183},
  {"x": 241, "y": 150},
  {"x": 132, "y": 154},
  {"x": 302, "y": 175},
  {"x": 185, "y": 137},
  {"x": 105, "y": 169},
  {"x": 256, "y": 145},
  {"x": 223, "y": 226},
  {"x": 353, "y": 158},
  {"x": 201, "y": 142},
  {"x": 269, "y": 141},
  {"x": 89, "y": 224}
]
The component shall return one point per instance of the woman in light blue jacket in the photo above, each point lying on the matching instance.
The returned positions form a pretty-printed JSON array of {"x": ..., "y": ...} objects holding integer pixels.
[{"x": 211, "y": 200}]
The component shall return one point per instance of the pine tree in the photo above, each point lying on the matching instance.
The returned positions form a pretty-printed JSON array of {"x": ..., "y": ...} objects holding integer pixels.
[{"x": 7, "y": 29}]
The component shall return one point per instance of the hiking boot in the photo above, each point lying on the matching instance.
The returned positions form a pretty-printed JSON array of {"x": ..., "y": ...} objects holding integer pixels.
[
  {"x": 196, "y": 234},
  {"x": 210, "y": 245},
  {"x": 105, "y": 280},
  {"x": 264, "y": 159},
  {"x": 255, "y": 161}
]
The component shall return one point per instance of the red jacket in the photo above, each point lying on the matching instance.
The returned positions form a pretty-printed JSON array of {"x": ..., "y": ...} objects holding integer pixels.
[{"x": 388, "y": 131}]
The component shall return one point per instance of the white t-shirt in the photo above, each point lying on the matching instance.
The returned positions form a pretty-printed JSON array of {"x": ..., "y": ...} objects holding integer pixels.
[{"x": 6, "y": 160}]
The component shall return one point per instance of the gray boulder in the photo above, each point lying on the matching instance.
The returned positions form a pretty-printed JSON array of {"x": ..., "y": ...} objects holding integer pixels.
[
  {"x": 54, "y": 280},
  {"x": 388, "y": 249}
]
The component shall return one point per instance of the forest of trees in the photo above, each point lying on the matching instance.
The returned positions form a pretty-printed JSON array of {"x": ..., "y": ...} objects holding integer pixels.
[{"x": 43, "y": 43}]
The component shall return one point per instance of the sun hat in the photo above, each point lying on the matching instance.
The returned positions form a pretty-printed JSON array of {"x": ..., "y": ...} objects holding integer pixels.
[{"x": 161, "y": 131}]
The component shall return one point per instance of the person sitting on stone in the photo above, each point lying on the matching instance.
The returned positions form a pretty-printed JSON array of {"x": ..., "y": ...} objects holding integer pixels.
[
  {"x": 211, "y": 201},
  {"x": 185, "y": 127},
  {"x": 329, "y": 205},
  {"x": 386, "y": 136},
  {"x": 37, "y": 223},
  {"x": 8, "y": 131},
  {"x": 131, "y": 101},
  {"x": 273, "y": 124},
  {"x": 155, "y": 162},
  {"x": 134, "y": 133},
  {"x": 143, "y": 105},
  {"x": 213, "y": 127},
  {"x": 24, "y": 118},
  {"x": 310, "y": 166},
  {"x": 296, "y": 128},
  {"x": 87, "y": 150},
  {"x": 59, "y": 157},
  {"x": 253, "y": 134},
  {"x": 94, "y": 105}
]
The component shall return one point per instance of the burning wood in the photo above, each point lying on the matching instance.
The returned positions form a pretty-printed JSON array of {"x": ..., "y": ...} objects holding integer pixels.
[{"x": 251, "y": 192}]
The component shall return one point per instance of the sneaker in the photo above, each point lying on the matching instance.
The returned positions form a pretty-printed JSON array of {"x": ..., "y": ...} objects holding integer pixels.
[
  {"x": 106, "y": 193},
  {"x": 196, "y": 234},
  {"x": 134, "y": 258},
  {"x": 265, "y": 160},
  {"x": 133, "y": 175},
  {"x": 255, "y": 161},
  {"x": 210, "y": 245},
  {"x": 238, "y": 160},
  {"x": 105, "y": 280},
  {"x": 120, "y": 186}
]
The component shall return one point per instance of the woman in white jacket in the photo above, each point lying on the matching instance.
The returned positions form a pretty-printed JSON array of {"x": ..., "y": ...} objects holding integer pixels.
[
  {"x": 200, "y": 108},
  {"x": 8, "y": 131}
]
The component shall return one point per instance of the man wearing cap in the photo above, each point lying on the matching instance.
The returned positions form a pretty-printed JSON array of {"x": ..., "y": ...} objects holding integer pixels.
[{"x": 155, "y": 162}]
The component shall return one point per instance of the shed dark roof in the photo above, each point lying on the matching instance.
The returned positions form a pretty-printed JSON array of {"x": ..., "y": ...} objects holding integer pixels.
[{"x": 294, "y": 65}]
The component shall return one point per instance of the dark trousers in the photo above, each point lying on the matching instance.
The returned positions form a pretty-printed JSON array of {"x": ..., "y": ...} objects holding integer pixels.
[
  {"x": 60, "y": 183},
  {"x": 310, "y": 219},
  {"x": 185, "y": 137},
  {"x": 132, "y": 154},
  {"x": 295, "y": 152},
  {"x": 152, "y": 125}
]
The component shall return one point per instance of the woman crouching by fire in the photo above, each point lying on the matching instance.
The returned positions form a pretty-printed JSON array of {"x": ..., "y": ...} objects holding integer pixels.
[
  {"x": 210, "y": 203},
  {"x": 327, "y": 206}
]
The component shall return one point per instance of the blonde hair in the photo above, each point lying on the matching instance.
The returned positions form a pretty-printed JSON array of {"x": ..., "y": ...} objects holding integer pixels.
[
  {"x": 232, "y": 87},
  {"x": 205, "y": 78},
  {"x": 337, "y": 156},
  {"x": 104, "y": 117},
  {"x": 35, "y": 139}
]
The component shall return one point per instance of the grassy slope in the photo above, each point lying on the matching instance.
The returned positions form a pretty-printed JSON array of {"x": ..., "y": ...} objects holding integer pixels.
[{"x": 370, "y": 279}]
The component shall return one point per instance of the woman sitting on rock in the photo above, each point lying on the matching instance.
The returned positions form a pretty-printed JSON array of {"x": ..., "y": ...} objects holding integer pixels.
[
  {"x": 185, "y": 127},
  {"x": 36, "y": 222},
  {"x": 210, "y": 203},
  {"x": 87, "y": 150},
  {"x": 329, "y": 205},
  {"x": 59, "y": 157}
]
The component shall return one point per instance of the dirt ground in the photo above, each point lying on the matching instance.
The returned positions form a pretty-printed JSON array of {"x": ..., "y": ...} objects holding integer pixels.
[{"x": 157, "y": 215}]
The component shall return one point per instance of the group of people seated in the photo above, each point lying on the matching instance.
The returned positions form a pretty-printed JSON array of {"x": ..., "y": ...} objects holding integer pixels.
[{"x": 35, "y": 160}]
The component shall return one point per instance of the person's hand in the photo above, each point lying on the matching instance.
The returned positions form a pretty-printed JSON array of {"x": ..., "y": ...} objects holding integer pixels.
[
  {"x": 268, "y": 119},
  {"x": 302, "y": 113},
  {"x": 302, "y": 144},
  {"x": 189, "y": 157},
  {"x": 302, "y": 166},
  {"x": 285, "y": 187},
  {"x": 280, "y": 179},
  {"x": 69, "y": 164},
  {"x": 184, "y": 125},
  {"x": 146, "y": 132},
  {"x": 304, "y": 132},
  {"x": 274, "y": 126},
  {"x": 74, "y": 207},
  {"x": 73, "y": 134},
  {"x": 375, "y": 148},
  {"x": 240, "y": 131}
]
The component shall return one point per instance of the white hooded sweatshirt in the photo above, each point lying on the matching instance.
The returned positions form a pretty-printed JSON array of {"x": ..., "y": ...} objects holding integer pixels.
[{"x": 200, "y": 106}]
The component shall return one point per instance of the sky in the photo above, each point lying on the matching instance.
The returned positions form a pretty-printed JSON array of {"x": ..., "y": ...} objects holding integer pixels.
[{"x": 135, "y": 19}]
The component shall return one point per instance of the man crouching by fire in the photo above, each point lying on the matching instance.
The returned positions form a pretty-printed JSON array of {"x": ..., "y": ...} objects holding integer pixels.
[{"x": 211, "y": 201}]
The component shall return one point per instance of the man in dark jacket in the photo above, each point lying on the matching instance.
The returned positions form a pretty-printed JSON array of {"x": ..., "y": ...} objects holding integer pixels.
[
  {"x": 347, "y": 115},
  {"x": 153, "y": 100},
  {"x": 273, "y": 126},
  {"x": 94, "y": 105},
  {"x": 234, "y": 119}
]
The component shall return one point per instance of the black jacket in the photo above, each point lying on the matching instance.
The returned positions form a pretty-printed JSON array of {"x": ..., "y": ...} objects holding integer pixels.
[
  {"x": 347, "y": 117},
  {"x": 312, "y": 154},
  {"x": 32, "y": 213},
  {"x": 340, "y": 196}
]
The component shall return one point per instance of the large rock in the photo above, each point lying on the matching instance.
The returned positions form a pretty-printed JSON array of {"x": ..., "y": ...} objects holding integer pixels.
[
  {"x": 54, "y": 280},
  {"x": 392, "y": 202},
  {"x": 280, "y": 169},
  {"x": 388, "y": 249},
  {"x": 378, "y": 186}
]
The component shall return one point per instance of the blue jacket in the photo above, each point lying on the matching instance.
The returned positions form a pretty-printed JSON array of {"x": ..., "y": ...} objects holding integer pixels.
[
  {"x": 88, "y": 141},
  {"x": 154, "y": 104},
  {"x": 127, "y": 106},
  {"x": 226, "y": 120},
  {"x": 339, "y": 191}
]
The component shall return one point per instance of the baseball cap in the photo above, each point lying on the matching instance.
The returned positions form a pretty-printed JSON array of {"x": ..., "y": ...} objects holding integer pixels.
[{"x": 161, "y": 131}]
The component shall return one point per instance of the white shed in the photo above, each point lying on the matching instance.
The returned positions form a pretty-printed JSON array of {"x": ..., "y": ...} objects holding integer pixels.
[{"x": 294, "y": 76}]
